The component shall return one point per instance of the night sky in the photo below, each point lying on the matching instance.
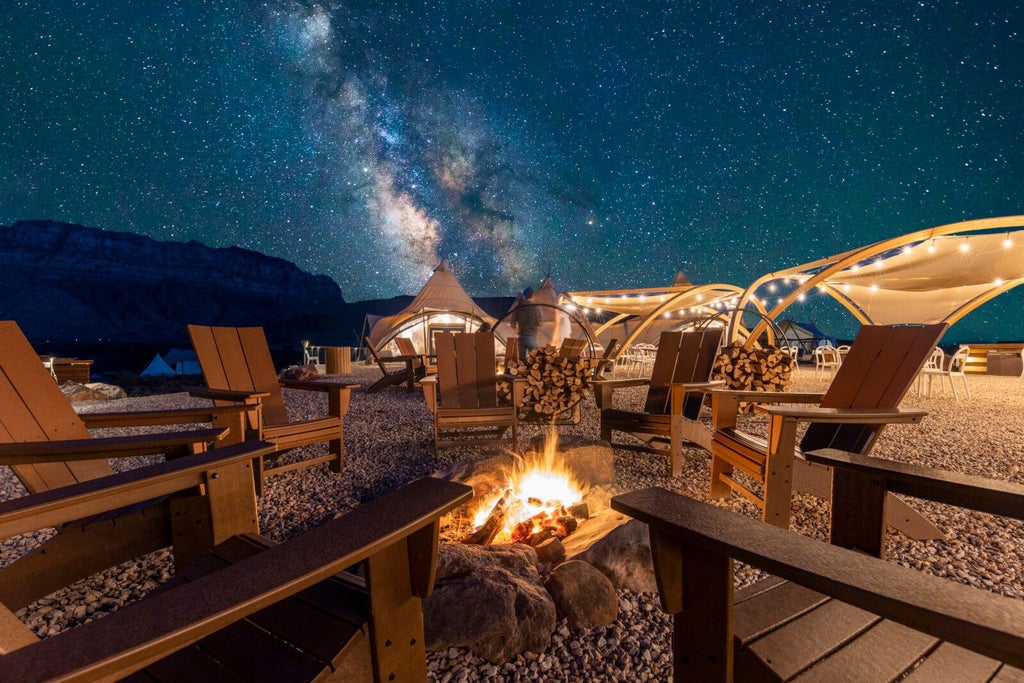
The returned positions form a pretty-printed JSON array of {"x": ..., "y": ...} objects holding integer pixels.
[{"x": 609, "y": 143}]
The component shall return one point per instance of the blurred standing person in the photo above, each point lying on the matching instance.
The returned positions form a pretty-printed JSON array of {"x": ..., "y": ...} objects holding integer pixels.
[{"x": 526, "y": 318}]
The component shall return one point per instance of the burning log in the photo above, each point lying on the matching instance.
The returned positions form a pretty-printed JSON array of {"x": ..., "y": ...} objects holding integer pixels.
[{"x": 494, "y": 523}]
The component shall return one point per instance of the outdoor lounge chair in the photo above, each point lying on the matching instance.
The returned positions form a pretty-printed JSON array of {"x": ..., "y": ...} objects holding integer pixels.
[
  {"x": 411, "y": 370},
  {"x": 407, "y": 348},
  {"x": 249, "y": 610},
  {"x": 682, "y": 367},
  {"x": 463, "y": 396},
  {"x": 862, "y": 398},
  {"x": 830, "y": 612},
  {"x": 48, "y": 446},
  {"x": 238, "y": 369}
]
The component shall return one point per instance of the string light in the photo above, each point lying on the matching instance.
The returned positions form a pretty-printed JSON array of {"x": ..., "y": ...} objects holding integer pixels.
[
  {"x": 931, "y": 246},
  {"x": 964, "y": 248},
  {"x": 999, "y": 282},
  {"x": 874, "y": 288},
  {"x": 907, "y": 248},
  {"x": 878, "y": 263},
  {"x": 1007, "y": 242}
]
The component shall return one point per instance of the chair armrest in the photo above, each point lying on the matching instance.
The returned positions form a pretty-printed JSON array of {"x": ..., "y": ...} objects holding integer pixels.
[
  {"x": 227, "y": 394},
  {"x": 82, "y": 500},
  {"x": 973, "y": 618},
  {"x": 105, "y": 447},
  {"x": 429, "y": 384},
  {"x": 146, "y": 418},
  {"x": 994, "y": 496},
  {"x": 750, "y": 396},
  {"x": 313, "y": 385},
  {"x": 622, "y": 383},
  {"x": 166, "y": 621},
  {"x": 698, "y": 386},
  {"x": 845, "y": 415}
]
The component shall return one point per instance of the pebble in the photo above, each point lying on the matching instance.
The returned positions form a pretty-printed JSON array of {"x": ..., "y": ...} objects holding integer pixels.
[{"x": 976, "y": 436}]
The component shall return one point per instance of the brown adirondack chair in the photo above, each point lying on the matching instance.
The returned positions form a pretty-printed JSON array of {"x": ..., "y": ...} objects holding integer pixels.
[
  {"x": 237, "y": 368},
  {"x": 463, "y": 396},
  {"x": 863, "y": 397},
  {"x": 407, "y": 348},
  {"x": 682, "y": 368},
  {"x": 829, "y": 612},
  {"x": 411, "y": 370},
  {"x": 250, "y": 610},
  {"x": 49, "y": 446}
]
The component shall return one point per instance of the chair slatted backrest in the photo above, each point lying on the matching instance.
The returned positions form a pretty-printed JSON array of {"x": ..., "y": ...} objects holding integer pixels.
[
  {"x": 466, "y": 374},
  {"x": 877, "y": 372},
  {"x": 405, "y": 346},
  {"x": 33, "y": 408},
  {"x": 238, "y": 359},
  {"x": 682, "y": 357}
]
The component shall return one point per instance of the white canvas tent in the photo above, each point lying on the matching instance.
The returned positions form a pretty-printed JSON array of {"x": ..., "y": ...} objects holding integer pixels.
[
  {"x": 174, "y": 362},
  {"x": 559, "y": 317},
  {"x": 157, "y": 367},
  {"x": 442, "y": 305}
]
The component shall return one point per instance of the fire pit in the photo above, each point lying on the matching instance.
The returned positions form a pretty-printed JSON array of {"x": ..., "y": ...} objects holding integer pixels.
[{"x": 534, "y": 498}]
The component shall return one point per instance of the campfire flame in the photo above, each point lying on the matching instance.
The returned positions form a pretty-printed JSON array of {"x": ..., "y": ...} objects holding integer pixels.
[{"x": 540, "y": 496}]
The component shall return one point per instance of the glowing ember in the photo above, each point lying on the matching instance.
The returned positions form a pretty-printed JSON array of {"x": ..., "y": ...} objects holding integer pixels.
[{"x": 541, "y": 501}]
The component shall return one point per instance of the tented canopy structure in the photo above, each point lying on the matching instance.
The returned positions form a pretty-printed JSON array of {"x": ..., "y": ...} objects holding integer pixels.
[
  {"x": 442, "y": 305},
  {"x": 640, "y": 315},
  {"x": 557, "y": 320},
  {"x": 930, "y": 276}
]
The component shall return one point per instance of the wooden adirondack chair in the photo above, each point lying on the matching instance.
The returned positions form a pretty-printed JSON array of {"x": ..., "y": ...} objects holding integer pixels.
[
  {"x": 411, "y": 370},
  {"x": 829, "y": 612},
  {"x": 237, "y": 368},
  {"x": 422, "y": 366},
  {"x": 250, "y": 610},
  {"x": 464, "y": 394},
  {"x": 682, "y": 368},
  {"x": 863, "y": 397},
  {"x": 49, "y": 446}
]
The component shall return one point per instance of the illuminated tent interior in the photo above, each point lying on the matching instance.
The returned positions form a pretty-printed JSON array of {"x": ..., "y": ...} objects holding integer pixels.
[
  {"x": 442, "y": 305},
  {"x": 636, "y": 316},
  {"x": 930, "y": 276}
]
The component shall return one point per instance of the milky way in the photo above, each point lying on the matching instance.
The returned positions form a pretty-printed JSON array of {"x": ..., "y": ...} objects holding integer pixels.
[{"x": 606, "y": 143}]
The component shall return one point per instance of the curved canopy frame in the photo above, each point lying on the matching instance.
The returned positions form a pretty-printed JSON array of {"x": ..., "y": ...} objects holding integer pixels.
[
  {"x": 675, "y": 306},
  {"x": 929, "y": 276}
]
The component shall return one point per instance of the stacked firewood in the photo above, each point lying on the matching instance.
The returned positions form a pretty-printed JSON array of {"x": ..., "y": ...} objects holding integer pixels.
[
  {"x": 764, "y": 368},
  {"x": 552, "y": 383}
]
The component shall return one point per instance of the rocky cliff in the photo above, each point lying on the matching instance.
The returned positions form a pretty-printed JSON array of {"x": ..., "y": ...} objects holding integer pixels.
[{"x": 66, "y": 282}]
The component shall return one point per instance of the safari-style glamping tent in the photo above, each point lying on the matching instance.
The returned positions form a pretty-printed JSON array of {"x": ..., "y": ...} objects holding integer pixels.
[{"x": 442, "y": 305}]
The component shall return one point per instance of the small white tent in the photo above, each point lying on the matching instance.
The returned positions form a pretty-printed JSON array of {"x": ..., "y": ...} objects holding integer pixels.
[
  {"x": 157, "y": 367},
  {"x": 184, "y": 361}
]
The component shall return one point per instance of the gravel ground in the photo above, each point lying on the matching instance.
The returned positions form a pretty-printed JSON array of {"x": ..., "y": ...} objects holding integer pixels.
[{"x": 388, "y": 438}]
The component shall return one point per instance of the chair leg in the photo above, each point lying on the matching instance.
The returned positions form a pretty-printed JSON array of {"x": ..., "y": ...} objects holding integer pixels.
[{"x": 719, "y": 469}]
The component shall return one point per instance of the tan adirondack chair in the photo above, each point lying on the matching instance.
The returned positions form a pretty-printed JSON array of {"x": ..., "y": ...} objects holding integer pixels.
[
  {"x": 463, "y": 396},
  {"x": 407, "y": 348},
  {"x": 49, "y": 446},
  {"x": 682, "y": 369},
  {"x": 411, "y": 369},
  {"x": 828, "y": 612},
  {"x": 863, "y": 397},
  {"x": 237, "y": 368},
  {"x": 250, "y": 610}
]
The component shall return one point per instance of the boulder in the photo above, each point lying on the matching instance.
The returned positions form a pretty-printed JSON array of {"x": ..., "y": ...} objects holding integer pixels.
[
  {"x": 583, "y": 596},
  {"x": 617, "y": 545},
  {"x": 79, "y": 393},
  {"x": 490, "y": 600},
  {"x": 300, "y": 373},
  {"x": 110, "y": 391}
]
